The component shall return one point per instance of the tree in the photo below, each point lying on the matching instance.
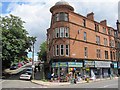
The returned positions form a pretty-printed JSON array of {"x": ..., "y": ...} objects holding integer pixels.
[
  {"x": 43, "y": 51},
  {"x": 15, "y": 40}
]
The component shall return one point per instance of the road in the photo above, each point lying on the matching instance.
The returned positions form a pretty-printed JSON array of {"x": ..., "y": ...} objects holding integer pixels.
[
  {"x": 14, "y": 82},
  {"x": 99, "y": 84}
]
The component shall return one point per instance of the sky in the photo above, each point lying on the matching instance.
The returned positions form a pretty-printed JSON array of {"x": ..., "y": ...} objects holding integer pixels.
[{"x": 37, "y": 16}]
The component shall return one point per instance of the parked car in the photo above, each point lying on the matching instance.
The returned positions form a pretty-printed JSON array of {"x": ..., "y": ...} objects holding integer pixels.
[
  {"x": 20, "y": 65},
  {"x": 29, "y": 70},
  {"x": 13, "y": 67},
  {"x": 24, "y": 62},
  {"x": 26, "y": 76}
]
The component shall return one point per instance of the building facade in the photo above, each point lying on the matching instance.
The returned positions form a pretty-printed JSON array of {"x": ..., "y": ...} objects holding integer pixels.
[
  {"x": 79, "y": 43},
  {"x": 117, "y": 40}
]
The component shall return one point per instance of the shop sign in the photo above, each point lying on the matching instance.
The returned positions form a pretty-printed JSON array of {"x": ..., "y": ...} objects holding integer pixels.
[
  {"x": 89, "y": 63},
  {"x": 75, "y": 64},
  {"x": 63, "y": 64},
  {"x": 115, "y": 64},
  {"x": 55, "y": 64},
  {"x": 119, "y": 65},
  {"x": 105, "y": 64}
]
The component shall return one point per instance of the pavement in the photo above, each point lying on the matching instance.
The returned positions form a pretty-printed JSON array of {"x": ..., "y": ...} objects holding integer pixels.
[{"x": 55, "y": 83}]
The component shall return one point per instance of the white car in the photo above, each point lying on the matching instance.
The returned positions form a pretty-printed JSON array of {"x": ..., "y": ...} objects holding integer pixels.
[{"x": 26, "y": 76}]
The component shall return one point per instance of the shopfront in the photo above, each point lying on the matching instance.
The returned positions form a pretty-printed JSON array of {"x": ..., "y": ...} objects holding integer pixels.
[
  {"x": 115, "y": 68},
  {"x": 103, "y": 68},
  {"x": 61, "y": 69},
  {"x": 119, "y": 68},
  {"x": 89, "y": 67}
]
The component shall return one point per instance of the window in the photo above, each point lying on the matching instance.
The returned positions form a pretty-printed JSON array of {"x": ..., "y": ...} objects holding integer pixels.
[
  {"x": 111, "y": 56},
  {"x": 66, "y": 17},
  {"x": 53, "y": 50},
  {"x": 57, "y": 32},
  {"x": 96, "y": 27},
  {"x": 67, "y": 50},
  {"x": 114, "y": 55},
  {"x": 57, "y": 50},
  {"x": 61, "y": 16},
  {"x": 84, "y": 22},
  {"x": 85, "y": 52},
  {"x": 98, "y": 40},
  {"x": 98, "y": 53},
  {"x": 85, "y": 36},
  {"x": 106, "y": 54},
  {"x": 57, "y": 17},
  {"x": 61, "y": 50},
  {"x": 66, "y": 32},
  {"x": 111, "y": 43},
  {"x": 105, "y": 42},
  {"x": 61, "y": 31},
  {"x": 104, "y": 30}
]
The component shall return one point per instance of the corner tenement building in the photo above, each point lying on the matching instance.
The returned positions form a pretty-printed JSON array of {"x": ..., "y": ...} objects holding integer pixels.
[{"x": 80, "y": 43}]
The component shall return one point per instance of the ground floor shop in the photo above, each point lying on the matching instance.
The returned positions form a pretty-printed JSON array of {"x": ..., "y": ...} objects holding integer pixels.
[
  {"x": 118, "y": 68},
  {"x": 84, "y": 68}
]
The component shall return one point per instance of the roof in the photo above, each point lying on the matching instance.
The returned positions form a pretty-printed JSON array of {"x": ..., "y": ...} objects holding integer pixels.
[{"x": 62, "y": 2}]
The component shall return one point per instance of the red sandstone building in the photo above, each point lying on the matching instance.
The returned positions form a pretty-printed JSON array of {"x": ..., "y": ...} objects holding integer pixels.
[{"x": 77, "y": 42}]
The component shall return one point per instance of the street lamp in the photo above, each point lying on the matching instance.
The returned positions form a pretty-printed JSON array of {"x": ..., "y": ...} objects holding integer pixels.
[{"x": 33, "y": 66}]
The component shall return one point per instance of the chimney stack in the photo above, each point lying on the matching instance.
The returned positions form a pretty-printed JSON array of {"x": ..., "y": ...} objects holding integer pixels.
[
  {"x": 118, "y": 26},
  {"x": 104, "y": 22},
  {"x": 90, "y": 16}
]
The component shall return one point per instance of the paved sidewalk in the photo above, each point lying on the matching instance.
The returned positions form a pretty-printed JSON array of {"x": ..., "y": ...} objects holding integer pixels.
[{"x": 65, "y": 83}]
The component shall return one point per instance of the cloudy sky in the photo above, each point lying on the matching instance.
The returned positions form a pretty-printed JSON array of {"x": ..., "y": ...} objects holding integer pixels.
[{"x": 37, "y": 16}]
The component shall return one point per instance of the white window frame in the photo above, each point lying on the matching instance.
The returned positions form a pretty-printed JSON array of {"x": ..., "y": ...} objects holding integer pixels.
[
  {"x": 57, "y": 49},
  {"x": 67, "y": 49},
  {"x": 66, "y": 17},
  {"x": 61, "y": 49},
  {"x": 57, "y": 17},
  {"x": 61, "y": 31},
  {"x": 56, "y": 32},
  {"x": 98, "y": 40},
  {"x": 66, "y": 32}
]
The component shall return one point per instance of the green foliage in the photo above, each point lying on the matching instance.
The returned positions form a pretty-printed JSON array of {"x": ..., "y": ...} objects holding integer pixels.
[
  {"x": 15, "y": 40},
  {"x": 43, "y": 51}
]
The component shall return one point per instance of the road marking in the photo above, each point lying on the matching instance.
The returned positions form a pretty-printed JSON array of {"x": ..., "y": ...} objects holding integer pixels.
[{"x": 110, "y": 85}]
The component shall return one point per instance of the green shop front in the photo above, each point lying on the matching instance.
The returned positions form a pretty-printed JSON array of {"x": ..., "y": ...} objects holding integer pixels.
[{"x": 64, "y": 68}]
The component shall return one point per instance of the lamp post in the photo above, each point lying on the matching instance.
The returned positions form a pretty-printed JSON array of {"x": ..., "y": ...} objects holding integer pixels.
[{"x": 33, "y": 66}]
